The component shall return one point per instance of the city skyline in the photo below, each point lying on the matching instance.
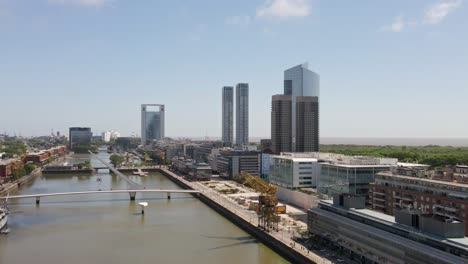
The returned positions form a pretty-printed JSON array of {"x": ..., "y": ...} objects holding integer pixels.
[{"x": 92, "y": 63}]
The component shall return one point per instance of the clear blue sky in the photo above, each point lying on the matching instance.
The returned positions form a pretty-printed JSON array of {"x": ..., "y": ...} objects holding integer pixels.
[{"x": 388, "y": 68}]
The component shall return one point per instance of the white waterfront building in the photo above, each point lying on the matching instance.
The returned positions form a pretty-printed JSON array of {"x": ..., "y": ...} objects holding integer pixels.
[
  {"x": 109, "y": 135},
  {"x": 293, "y": 172}
]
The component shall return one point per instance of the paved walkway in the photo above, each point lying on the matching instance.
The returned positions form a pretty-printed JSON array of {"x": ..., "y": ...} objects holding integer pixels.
[{"x": 284, "y": 235}]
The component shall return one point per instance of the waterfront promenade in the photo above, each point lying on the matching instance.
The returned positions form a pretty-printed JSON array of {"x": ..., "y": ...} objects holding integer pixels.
[
  {"x": 10, "y": 186},
  {"x": 284, "y": 235}
]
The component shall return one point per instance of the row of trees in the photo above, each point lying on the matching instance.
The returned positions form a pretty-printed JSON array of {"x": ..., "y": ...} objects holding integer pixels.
[
  {"x": 12, "y": 147},
  {"x": 436, "y": 156},
  {"x": 84, "y": 148}
]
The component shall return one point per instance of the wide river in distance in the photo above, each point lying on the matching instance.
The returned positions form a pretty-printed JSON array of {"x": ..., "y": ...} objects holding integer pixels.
[{"x": 109, "y": 228}]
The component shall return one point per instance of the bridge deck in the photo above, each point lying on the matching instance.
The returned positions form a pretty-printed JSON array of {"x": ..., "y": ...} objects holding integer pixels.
[
  {"x": 98, "y": 192},
  {"x": 132, "y": 184}
]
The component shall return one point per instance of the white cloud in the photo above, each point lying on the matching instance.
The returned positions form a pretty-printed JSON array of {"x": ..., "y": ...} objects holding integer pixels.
[
  {"x": 237, "y": 20},
  {"x": 284, "y": 8},
  {"x": 435, "y": 13},
  {"x": 397, "y": 26},
  {"x": 94, "y": 3}
]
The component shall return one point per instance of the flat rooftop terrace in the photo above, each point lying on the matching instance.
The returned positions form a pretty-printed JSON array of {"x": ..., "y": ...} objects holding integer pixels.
[{"x": 390, "y": 221}]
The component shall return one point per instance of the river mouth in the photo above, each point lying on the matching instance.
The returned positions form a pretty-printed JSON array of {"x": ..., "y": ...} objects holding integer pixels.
[{"x": 109, "y": 228}]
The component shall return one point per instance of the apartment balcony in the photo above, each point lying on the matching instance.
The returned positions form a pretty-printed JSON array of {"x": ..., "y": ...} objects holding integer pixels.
[
  {"x": 379, "y": 193},
  {"x": 446, "y": 208},
  {"x": 378, "y": 199},
  {"x": 380, "y": 205},
  {"x": 446, "y": 214},
  {"x": 408, "y": 199}
]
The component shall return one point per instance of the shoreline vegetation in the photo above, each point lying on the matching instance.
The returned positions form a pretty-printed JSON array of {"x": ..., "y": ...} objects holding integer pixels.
[{"x": 435, "y": 156}]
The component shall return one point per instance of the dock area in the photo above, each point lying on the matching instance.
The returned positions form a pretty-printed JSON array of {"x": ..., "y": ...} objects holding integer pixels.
[{"x": 281, "y": 241}]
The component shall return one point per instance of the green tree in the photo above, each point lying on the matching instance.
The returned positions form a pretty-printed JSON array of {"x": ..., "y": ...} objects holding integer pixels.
[
  {"x": 28, "y": 167},
  {"x": 116, "y": 160}
]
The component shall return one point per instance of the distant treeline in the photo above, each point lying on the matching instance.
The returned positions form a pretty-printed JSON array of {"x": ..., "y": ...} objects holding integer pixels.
[{"x": 436, "y": 156}]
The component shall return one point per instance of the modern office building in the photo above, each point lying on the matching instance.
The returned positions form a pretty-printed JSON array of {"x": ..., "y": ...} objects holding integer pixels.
[
  {"x": 292, "y": 171},
  {"x": 228, "y": 116},
  {"x": 366, "y": 236},
  {"x": 346, "y": 174},
  {"x": 79, "y": 136},
  {"x": 281, "y": 122},
  {"x": 422, "y": 190},
  {"x": 242, "y": 114},
  {"x": 152, "y": 123},
  {"x": 230, "y": 163},
  {"x": 300, "y": 81},
  {"x": 109, "y": 135},
  {"x": 295, "y": 114},
  {"x": 203, "y": 150},
  {"x": 264, "y": 167},
  {"x": 307, "y": 124}
]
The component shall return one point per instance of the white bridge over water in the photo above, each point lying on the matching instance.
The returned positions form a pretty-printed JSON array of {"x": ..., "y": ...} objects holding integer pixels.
[
  {"x": 134, "y": 188},
  {"x": 131, "y": 192}
]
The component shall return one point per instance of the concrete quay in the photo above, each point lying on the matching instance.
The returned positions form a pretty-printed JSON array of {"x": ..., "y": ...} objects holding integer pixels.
[
  {"x": 281, "y": 242},
  {"x": 8, "y": 187}
]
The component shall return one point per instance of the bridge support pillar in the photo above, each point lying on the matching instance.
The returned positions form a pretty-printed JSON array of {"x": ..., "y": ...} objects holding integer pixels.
[
  {"x": 132, "y": 196},
  {"x": 168, "y": 195},
  {"x": 38, "y": 200}
]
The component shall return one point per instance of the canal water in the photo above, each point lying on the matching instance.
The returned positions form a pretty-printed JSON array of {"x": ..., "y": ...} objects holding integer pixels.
[{"x": 108, "y": 228}]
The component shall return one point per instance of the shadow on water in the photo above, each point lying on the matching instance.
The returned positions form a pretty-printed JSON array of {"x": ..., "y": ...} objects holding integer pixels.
[{"x": 243, "y": 240}]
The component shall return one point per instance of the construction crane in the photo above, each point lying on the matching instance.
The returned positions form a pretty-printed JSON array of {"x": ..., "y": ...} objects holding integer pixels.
[{"x": 267, "y": 217}]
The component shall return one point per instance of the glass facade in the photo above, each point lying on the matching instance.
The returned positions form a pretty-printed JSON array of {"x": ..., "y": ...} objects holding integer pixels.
[
  {"x": 228, "y": 113},
  {"x": 79, "y": 136},
  {"x": 335, "y": 178},
  {"x": 300, "y": 81},
  {"x": 152, "y": 123},
  {"x": 281, "y": 172},
  {"x": 242, "y": 114}
]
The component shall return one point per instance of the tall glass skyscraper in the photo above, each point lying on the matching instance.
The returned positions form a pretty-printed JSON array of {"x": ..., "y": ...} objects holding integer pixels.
[
  {"x": 299, "y": 81},
  {"x": 242, "y": 114},
  {"x": 152, "y": 123},
  {"x": 228, "y": 115},
  {"x": 79, "y": 136}
]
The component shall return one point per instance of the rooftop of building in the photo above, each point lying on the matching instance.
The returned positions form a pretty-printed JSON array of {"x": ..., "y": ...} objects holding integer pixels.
[
  {"x": 343, "y": 160},
  {"x": 421, "y": 179},
  {"x": 8, "y": 161},
  {"x": 413, "y": 165},
  {"x": 390, "y": 221},
  {"x": 295, "y": 159}
]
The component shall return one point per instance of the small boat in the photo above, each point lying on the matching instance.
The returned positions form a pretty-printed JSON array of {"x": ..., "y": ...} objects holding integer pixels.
[{"x": 140, "y": 173}]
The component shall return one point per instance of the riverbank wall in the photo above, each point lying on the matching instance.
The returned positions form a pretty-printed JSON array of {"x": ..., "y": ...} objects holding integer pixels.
[
  {"x": 81, "y": 171},
  {"x": 14, "y": 185},
  {"x": 284, "y": 250}
]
